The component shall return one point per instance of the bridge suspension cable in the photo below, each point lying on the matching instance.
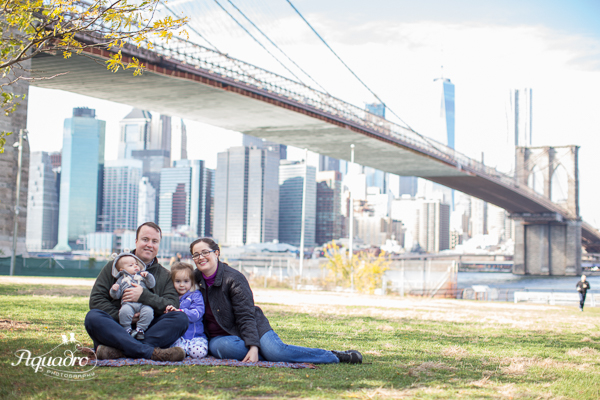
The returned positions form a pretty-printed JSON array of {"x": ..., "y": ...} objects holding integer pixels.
[
  {"x": 277, "y": 47},
  {"x": 347, "y": 67},
  {"x": 259, "y": 42}
]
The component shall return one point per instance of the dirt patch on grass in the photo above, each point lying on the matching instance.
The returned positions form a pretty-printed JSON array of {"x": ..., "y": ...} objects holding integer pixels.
[
  {"x": 385, "y": 328},
  {"x": 517, "y": 366},
  {"x": 583, "y": 352},
  {"x": 426, "y": 367},
  {"x": 456, "y": 352},
  {"x": 63, "y": 291},
  {"x": 388, "y": 393},
  {"x": 7, "y": 324}
]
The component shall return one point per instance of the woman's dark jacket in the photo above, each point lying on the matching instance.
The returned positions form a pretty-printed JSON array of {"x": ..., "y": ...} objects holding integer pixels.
[{"x": 232, "y": 304}]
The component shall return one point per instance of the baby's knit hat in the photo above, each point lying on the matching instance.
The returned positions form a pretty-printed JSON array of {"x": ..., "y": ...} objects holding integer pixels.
[{"x": 125, "y": 253}]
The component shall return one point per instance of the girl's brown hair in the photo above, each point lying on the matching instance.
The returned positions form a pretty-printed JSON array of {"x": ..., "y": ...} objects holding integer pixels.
[{"x": 178, "y": 267}]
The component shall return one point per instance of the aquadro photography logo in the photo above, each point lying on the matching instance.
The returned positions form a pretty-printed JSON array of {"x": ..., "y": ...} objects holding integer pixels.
[{"x": 69, "y": 360}]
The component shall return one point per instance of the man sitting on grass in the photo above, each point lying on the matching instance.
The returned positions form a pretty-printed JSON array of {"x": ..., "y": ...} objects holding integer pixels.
[{"x": 102, "y": 321}]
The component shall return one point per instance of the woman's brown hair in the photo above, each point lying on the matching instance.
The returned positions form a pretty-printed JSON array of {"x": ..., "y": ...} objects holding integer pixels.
[{"x": 211, "y": 243}]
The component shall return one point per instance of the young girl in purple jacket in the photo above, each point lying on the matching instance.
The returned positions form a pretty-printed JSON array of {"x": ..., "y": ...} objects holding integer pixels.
[{"x": 194, "y": 341}]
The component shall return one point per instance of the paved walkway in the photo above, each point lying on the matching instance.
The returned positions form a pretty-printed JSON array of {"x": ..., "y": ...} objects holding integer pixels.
[{"x": 292, "y": 297}]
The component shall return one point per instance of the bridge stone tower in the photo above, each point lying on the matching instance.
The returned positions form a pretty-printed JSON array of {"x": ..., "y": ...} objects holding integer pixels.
[{"x": 549, "y": 243}]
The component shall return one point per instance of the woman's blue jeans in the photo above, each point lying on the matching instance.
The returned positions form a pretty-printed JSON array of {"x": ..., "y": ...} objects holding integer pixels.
[{"x": 271, "y": 349}]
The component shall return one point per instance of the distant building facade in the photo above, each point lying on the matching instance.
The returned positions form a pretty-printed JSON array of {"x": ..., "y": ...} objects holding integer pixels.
[
  {"x": 120, "y": 203},
  {"x": 186, "y": 198},
  {"x": 146, "y": 201},
  {"x": 81, "y": 178},
  {"x": 157, "y": 141},
  {"x": 246, "y": 196},
  {"x": 434, "y": 226},
  {"x": 251, "y": 141},
  {"x": 42, "y": 204},
  {"x": 329, "y": 207},
  {"x": 291, "y": 184},
  {"x": 328, "y": 163}
]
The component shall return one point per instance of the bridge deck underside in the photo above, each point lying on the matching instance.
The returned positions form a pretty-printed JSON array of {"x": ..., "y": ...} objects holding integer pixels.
[
  {"x": 218, "y": 101},
  {"x": 230, "y": 110},
  {"x": 491, "y": 192}
]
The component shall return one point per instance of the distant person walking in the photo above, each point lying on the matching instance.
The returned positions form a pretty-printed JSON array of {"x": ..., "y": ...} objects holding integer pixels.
[{"x": 582, "y": 287}]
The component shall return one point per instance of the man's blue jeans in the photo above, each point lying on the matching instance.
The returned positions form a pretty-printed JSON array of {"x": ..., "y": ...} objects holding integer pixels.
[
  {"x": 162, "y": 332},
  {"x": 271, "y": 349}
]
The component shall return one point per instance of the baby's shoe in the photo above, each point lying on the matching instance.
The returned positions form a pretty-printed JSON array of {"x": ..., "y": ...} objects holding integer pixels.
[
  {"x": 129, "y": 331},
  {"x": 132, "y": 332},
  {"x": 140, "y": 334}
]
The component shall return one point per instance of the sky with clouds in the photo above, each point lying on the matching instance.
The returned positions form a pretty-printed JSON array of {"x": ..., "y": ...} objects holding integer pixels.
[{"x": 397, "y": 48}]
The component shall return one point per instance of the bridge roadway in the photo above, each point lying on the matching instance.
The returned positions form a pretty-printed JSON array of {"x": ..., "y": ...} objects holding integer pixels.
[{"x": 192, "y": 82}]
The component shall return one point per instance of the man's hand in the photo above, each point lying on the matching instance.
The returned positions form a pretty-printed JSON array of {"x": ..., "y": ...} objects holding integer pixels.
[
  {"x": 132, "y": 294},
  {"x": 135, "y": 318},
  {"x": 252, "y": 355},
  {"x": 170, "y": 308},
  {"x": 115, "y": 287},
  {"x": 144, "y": 273}
]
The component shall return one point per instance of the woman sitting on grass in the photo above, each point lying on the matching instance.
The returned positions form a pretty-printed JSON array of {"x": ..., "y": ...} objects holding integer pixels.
[{"x": 236, "y": 328}]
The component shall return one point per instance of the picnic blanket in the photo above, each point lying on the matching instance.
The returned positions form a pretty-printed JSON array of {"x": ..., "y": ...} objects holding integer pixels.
[{"x": 209, "y": 361}]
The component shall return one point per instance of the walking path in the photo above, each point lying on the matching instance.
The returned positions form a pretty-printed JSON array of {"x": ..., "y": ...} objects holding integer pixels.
[{"x": 292, "y": 297}]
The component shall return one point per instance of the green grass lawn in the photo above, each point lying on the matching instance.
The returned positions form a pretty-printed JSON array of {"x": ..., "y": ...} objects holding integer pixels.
[{"x": 432, "y": 349}]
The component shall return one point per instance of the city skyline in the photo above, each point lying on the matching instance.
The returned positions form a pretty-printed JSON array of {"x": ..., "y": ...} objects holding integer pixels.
[{"x": 485, "y": 56}]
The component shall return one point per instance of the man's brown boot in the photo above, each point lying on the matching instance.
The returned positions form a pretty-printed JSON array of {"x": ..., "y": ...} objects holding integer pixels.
[
  {"x": 170, "y": 354},
  {"x": 108, "y": 353}
]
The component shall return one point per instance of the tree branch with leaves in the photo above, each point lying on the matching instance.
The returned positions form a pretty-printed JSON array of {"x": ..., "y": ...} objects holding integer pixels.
[{"x": 31, "y": 27}]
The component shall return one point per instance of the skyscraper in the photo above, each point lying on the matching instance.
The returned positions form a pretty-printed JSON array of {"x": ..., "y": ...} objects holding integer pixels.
[
  {"x": 447, "y": 108},
  {"x": 146, "y": 201},
  {"x": 121, "y": 195},
  {"x": 329, "y": 207},
  {"x": 42, "y": 204},
  {"x": 81, "y": 178},
  {"x": 434, "y": 226},
  {"x": 157, "y": 141},
  {"x": 328, "y": 163},
  {"x": 479, "y": 217},
  {"x": 178, "y": 139},
  {"x": 135, "y": 132},
  {"x": 251, "y": 141},
  {"x": 246, "y": 196},
  {"x": 186, "y": 196},
  {"x": 291, "y": 184},
  {"x": 409, "y": 185},
  {"x": 520, "y": 121}
]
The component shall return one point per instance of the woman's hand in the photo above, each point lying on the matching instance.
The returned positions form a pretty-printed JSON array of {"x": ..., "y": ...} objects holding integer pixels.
[{"x": 252, "y": 355}]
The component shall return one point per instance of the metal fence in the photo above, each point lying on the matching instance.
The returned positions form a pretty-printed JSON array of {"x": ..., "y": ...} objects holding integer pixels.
[
  {"x": 87, "y": 268},
  {"x": 424, "y": 277}
]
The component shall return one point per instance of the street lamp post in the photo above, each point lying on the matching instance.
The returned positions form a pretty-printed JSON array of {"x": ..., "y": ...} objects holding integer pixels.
[
  {"x": 351, "y": 223},
  {"x": 19, "y": 146},
  {"x": 303, "y": 212}
]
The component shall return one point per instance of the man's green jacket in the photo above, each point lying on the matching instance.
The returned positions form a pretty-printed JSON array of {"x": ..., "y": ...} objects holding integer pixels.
[{"x": 159, "y": 297}]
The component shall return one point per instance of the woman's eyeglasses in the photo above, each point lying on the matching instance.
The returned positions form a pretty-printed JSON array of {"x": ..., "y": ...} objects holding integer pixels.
[{"x": 203, "y": 253}]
